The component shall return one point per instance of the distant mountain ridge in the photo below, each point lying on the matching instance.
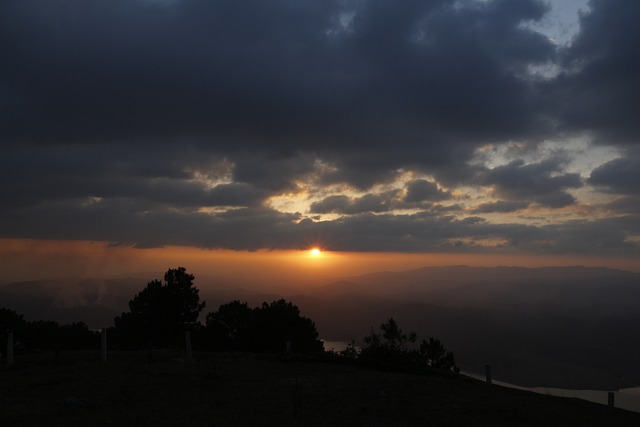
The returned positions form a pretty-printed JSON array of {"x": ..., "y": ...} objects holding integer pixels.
[{"x": 463, "y": 286}]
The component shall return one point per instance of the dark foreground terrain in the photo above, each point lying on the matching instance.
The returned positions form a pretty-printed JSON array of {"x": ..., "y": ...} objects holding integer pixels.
[{"x": 270, "y": 390}]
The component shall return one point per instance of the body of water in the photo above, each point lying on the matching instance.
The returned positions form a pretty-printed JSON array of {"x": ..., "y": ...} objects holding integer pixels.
[
  {"x": 336, "y": 346},
  {"x": 625, "y": 398}
]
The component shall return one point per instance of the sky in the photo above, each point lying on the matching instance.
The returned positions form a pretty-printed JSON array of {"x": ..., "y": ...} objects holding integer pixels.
[{"x": 436, "y": 131}]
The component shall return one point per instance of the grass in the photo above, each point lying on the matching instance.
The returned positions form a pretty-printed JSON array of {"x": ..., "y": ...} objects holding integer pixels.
[{"x": 222, "y": 389}]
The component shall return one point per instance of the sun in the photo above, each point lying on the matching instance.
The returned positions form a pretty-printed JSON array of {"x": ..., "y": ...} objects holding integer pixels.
[{"x": 315, "y": 252}]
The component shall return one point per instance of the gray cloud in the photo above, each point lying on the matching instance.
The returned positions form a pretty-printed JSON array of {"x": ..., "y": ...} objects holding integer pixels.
[
  {"x": 419, "y": 193},
  {"x": 346, "y": 205},
  {"x": 608, "y": 236},
  {"x": 621, "y": 175},
  {"x": 421, "y": 190},
  {"x": 600, "y": 89},
  {"x": 625, "y": 205},
  {"x": 501, "y": 206},
  {"x": 331, "y": 204},
  {"x": 125, "y": 222},
  {"x": 110, "y": 111},
  {"x": 254, "y": 74},
  {"x": 542, "y": 182}
]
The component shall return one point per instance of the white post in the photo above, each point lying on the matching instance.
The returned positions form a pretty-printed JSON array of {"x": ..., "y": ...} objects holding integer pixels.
[
  {"x": 103, "y": 354},
  {"x": 187, "y": 338},
  {"x": 10, "y": 348},
  {"x": 488, "y": 373}
]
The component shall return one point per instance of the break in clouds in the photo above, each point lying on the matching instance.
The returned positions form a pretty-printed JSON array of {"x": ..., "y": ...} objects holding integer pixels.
[{"x": 369, "y": 125}]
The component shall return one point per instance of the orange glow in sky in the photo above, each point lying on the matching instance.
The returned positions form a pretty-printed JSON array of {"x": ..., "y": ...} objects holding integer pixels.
[{"x": 24, "y": 259}]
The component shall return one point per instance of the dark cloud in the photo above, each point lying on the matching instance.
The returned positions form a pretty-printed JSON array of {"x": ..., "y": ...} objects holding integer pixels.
[
  {"x": 556, "y": 200},
  {"x": 125, "y": 222},
  {"x": 30, "y": 177},
  {"x": 335, "y": 203},
  {"x": 621, "y": 175},
  {"x": 607, "y": 236},
  {"x": 269, "y": 171},
  {"x": 625, "y": 205},
  {"x": 600, "y": 89},
  {"x": 501, "y": 206},
  {"x": 140, "y": 121},
  {"x": 234, "y": 194},
  {"x": 543, "y": 183},
  {"x": 383, "y": 202},
  {"x": 421, "y": 190},
  {"x": 277, "y": 74},
  {"x": 419, "y": 193}
]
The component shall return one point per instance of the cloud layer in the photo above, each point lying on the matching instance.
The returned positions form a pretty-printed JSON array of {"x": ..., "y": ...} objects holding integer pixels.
[{"x": 375, "y": 125}]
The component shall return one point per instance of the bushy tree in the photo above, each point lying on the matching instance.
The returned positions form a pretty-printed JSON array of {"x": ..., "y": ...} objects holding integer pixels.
[
  {"x": 391, "y": 337},
  {"x": 279, "y": 322},
  {"x": 263, "y": 329},
  {"x": 41, "y": 335},
  {"x": 351, "y": 351},
  {"x": 78, "y": 336},
  {"x": 161, "y": 313},
  {"x": 44, "y": 335},
  {"x": 436, "y": 356},
  {"x": 389, "y": 350},
  {"x": 229, "y": 327}
]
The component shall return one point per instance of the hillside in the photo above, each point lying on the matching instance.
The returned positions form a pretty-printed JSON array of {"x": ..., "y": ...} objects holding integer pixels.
[
  {"x": 568, "y": 327},
  {"x": 239, "y": 390}
]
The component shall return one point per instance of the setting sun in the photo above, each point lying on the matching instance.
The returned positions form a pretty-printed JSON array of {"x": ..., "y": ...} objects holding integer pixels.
[{"x": 315, "y": 252}]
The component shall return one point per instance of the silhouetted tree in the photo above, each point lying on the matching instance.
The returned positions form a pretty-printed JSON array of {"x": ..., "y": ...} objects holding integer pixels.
[
  {"x": 161, "y": 313},
  {"x": 41, "y": 335},
  {"x": 229, "y": 327},
  {"x": 436, "y": 356},
  {"x": 78, "y": 336},
  {"x": 280, "y": 321},
  {"x": 263, "y": 329},
  {"x": 131, "y": 331},
  {"x": 351, "y": 351},
  {"x": 392, "y": 337},
  {"x": 388, "y": 349}
]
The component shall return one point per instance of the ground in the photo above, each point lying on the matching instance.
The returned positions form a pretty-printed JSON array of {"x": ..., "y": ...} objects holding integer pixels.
[{"x": 224, "y": 389}]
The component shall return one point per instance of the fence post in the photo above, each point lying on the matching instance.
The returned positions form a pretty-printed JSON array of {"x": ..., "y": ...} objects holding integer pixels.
[
  {"x": 611, "y": 399},
  {"x": 488, "y": 373},
  {"x": 187, "y": 339},
  {"x": 103, "y": 354},
  {"x": 10, "y": 348}
]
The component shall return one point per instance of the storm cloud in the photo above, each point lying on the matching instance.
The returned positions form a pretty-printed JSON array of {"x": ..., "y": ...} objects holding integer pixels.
[{"x": 249, "y": 125}]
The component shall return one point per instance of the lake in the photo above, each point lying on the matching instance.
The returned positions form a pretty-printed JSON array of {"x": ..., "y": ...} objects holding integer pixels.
[
  {"x": 336, "y": 346},
  {"x": 625, "y": 398}
]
